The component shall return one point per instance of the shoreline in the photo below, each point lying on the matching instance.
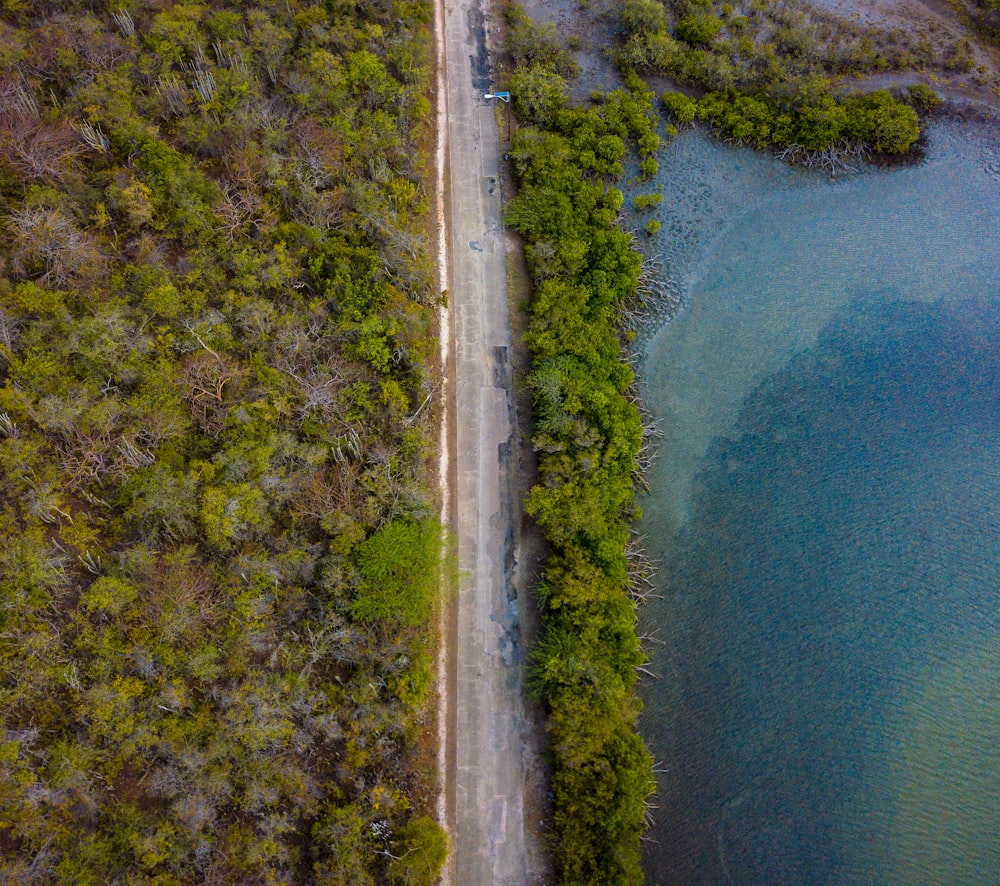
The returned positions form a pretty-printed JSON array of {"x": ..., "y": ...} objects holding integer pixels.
[
  {"x": 975, "y": 125},
  {"x": 668, "y": 298}
]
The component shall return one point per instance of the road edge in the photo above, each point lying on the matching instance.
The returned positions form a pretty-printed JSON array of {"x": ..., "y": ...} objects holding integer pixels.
[{"x": 445, "y": 677}]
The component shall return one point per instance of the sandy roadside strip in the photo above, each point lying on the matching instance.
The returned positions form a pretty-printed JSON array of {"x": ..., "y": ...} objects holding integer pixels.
[{"x": 444, "y": 339}]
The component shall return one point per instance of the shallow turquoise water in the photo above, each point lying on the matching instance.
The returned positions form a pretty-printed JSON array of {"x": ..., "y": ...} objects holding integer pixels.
[{"x": 826, "y": 508}]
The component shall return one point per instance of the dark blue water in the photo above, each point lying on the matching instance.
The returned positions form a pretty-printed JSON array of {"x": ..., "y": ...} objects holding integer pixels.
[{"x": 827, "y": 511}]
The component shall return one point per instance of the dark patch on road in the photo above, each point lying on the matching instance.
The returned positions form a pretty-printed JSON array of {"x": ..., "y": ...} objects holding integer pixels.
[
  {"x": 475, "y": 246},
  {"x": 501, "y": 368},
  {"x": 511, "y": 647},
  {"x": 507, "y": 454},
  {"x": 503, "y": 377},
  {"x": 481, "y": 59}
]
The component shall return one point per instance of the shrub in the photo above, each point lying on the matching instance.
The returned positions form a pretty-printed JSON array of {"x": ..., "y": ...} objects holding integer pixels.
[
  {"x": 682, "y": 108},
  {"x": 530, "y": 43},
  {"x": 422, "y": 847},
  {"x": 958, "y": 56},
  {"x": 883, "y": 122},
  {"x": 923, "y": 98},
  {"x": 399, "y": 573},
  {"x": 643, "y": 17},
  {"x": 698, "y": 28}
]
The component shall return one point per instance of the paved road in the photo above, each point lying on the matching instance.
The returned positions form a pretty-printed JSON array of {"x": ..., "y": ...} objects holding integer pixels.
[{"x": 486, "y": 726}]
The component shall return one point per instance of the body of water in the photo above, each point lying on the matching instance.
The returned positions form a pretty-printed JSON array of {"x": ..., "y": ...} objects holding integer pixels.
[{"x": 826, "y": 510}]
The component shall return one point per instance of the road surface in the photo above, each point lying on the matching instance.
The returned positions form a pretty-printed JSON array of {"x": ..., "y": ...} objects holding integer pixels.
[{"x": 490, "y": 747}]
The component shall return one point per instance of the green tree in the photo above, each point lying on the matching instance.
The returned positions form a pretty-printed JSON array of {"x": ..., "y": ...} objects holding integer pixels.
[
  {"x": 879, "y": 120},
  {"x": 399, "y": 573},
  {"x": 215, "y": 325},
  {"x": 680, "y": 106},
  {"x": 698, "y": 28},
  {"x": 538, "y": 93},
  {"x": 421, "y": 849},
  {"x": 643, "y": 17},
  {"x": 818, "y": 126},
  {"x": 175, "y": 35}
]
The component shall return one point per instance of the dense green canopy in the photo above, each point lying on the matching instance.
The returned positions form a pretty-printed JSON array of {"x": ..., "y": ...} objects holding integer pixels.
[
  {"x": 587, "y": 432},
  {"x": 215, "y": 333}
]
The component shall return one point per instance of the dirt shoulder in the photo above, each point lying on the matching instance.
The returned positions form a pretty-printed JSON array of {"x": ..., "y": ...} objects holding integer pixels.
[{"x": 973, "y": 75}]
